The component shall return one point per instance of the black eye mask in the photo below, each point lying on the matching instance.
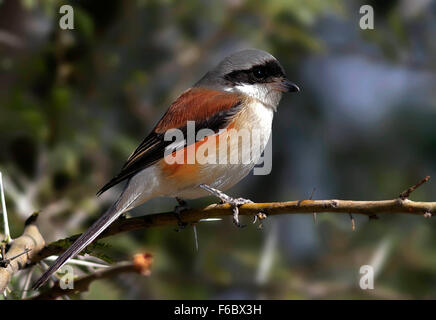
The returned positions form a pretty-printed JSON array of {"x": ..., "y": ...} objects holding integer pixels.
[{"x": 264, "y": 73}]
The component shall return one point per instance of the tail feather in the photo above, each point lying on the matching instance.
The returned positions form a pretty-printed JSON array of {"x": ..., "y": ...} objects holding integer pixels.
[{"x": 84, "y": 240}]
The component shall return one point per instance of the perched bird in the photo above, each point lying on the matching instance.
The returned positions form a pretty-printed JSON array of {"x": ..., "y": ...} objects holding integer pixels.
[{"x": 240, "y": 94}]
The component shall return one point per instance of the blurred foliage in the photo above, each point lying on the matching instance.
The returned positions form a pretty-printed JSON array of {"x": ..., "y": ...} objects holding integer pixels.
[{"x": 75, "y": 103}]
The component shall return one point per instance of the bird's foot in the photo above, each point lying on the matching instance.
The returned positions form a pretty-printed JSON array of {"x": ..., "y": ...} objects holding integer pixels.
[
  {"x": 183, "y": 206},
  {"x": 235, "y": 203}
]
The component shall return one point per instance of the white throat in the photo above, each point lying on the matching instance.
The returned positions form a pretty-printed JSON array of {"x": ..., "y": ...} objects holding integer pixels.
[{"x": 262, "y": 92}]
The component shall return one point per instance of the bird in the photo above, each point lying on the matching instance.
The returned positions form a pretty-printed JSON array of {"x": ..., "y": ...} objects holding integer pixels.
[{"x": 240, "y": 94}]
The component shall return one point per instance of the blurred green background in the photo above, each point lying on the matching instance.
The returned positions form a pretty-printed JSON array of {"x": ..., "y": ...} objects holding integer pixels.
[{"x": 75, "y": 103}]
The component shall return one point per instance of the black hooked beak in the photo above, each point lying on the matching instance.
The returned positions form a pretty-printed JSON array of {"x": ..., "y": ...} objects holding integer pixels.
[{"x": 285, "y": 85}]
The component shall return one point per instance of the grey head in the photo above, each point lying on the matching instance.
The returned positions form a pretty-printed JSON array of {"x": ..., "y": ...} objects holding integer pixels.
[{"x": 253, "y": 72}]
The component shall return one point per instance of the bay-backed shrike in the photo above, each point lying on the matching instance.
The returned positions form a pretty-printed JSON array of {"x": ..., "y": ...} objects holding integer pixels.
[{"x": 240, "y": 93}]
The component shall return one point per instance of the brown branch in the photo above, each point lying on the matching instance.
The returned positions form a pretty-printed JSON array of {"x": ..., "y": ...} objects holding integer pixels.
[
  {"x": 29, "y": 248},
  {"x": 21, "y": 251},
  {"x": 141, "y": 264},
  {"x": 370, "y": 208}
]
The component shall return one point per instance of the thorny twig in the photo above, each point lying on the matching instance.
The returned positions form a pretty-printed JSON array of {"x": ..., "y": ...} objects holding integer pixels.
[
  {"x": 31, "y": 239},
  {"x": 369, "y": 208}
]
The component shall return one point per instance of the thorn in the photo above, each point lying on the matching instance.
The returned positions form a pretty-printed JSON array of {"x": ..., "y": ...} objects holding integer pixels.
[
  {"x": 406, "y": 193},
  {"x": 427, "y": 215},
  {"x": 195, "y": 237},
  {"x": 310, "y": 198},
  {"x": 7, "y": 232},
  {"x": 5, "y": 262},
  {"x": 353, "y": 224},
  {"x": 314, "y": 218},
  {"x": 313, "y": 191},
  {"x": 210, "y": 219}
]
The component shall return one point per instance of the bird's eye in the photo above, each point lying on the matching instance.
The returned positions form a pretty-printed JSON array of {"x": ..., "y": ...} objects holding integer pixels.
[{"x": 259, "y": 73}]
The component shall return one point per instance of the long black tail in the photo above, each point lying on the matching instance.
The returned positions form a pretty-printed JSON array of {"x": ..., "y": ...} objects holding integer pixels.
[{"x": 85, "y": 239}]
